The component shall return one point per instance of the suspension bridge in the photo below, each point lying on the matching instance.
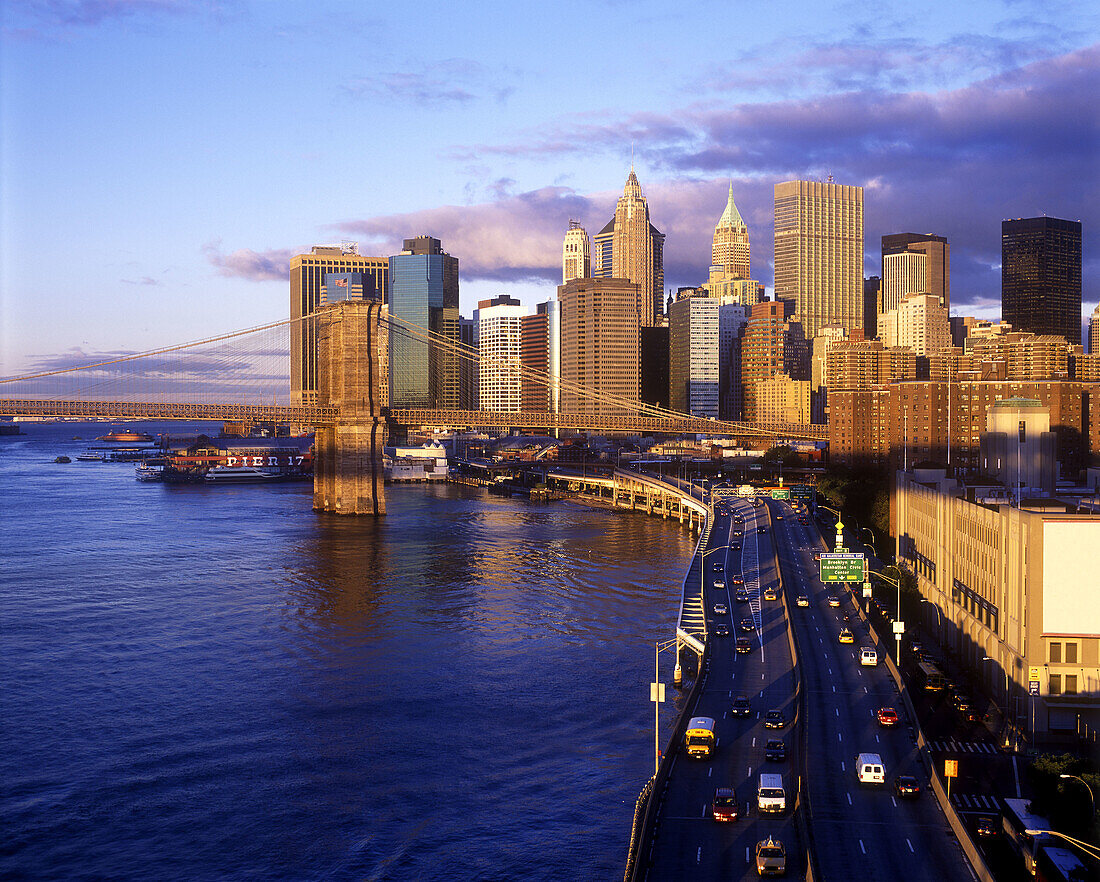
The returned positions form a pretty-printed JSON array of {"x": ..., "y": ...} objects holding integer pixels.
[{"x": 239, "y": 377}]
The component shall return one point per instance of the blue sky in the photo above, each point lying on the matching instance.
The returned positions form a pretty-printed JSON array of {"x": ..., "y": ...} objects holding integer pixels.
[{"x": 160, "y": 160}]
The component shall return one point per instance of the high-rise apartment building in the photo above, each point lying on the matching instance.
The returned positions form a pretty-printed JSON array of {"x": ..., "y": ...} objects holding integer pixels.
[
  {"x": 903, "y": 273},
  {"x": 918, "y": 323},
  {"x": 693, "y": 362},
  {"x": 1041, "y": 276},
  {"x": 819, "y": 253},
  {"x": 540, "y": 358},
  {"x": 467, "y": 364},
  {"x": 1094, "y": 331},
  {"x": 732, "y": 318},
  {"x": 730, "y": 246},
  {"x": 307, "y": 294},
  {"x": 423, "y": 299},
  {"x": 872, "y": 292},
  {"x": 630, "y": 247},
  {"x": 499, "y": 321},
  {"x": 781, "y": 401},
  {"x": 937, "y": 266},
  {"x": 770, "y": 344},
  {"x": 576, "y": 257},
  {"x": 600, "y": 346}
]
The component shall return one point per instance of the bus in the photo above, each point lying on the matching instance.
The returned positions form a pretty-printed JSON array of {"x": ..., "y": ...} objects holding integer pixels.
[
  {"x": 931, "y": 677},
  {"x": 699, "y": 739},
  {"x": 1060, "y": 865},
  {"x": 1017, "y": 820}
]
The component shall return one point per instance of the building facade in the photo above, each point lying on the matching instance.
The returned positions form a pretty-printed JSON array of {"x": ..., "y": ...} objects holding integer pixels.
[
  {"x": 600, "y": 346},
  {"x": 1041, "y": 276},
  {"x": 903, "y": 273},
  {"x": 729, "y": 248},
  {"x": 770, "y": 344},
  {"x": 424, "y": 326},
  {"x": 308, "y": 273},
  {"x": 819, "y": 253},
  {"x": 576, "y": 256},
  {"x": 918, "y": 323},
  {"x": 540, "y": 357},
  {"x": 937, "y": 267},
  {"x": 781, "y": 401},
  {"x": 693, "y": 363},
  {"x": 1094, "y": 331},
  {"x": 499, "y": 322}
]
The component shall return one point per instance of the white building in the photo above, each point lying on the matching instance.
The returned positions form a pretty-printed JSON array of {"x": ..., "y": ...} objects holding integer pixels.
[
  {"x": 576, "y": 257},
  {"x": 1094, "y": 331},
  {"x": 499, "y": 330},
  {"x": 919, "y": 323},
  {"x": 903, "y": 274},
  {"x": 693, "y": 363}
]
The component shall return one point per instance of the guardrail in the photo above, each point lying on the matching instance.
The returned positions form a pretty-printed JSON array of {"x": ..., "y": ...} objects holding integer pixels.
[{"x": 977, "y": 861}]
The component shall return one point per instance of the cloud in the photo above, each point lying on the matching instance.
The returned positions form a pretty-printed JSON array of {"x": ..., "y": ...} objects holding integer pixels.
[
  {"x": 144, "y": 280},
  {"x": 255, "y": 266},
  {"x": 95, "y": 12},
  {"x": 453, "y": 81}
]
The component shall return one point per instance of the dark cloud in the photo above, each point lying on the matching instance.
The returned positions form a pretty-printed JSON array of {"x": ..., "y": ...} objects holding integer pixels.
[{"x": 255, "y": 266}]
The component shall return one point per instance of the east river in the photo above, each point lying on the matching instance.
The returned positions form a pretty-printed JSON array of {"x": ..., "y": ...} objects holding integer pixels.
[{"x": 219, "y": 683}]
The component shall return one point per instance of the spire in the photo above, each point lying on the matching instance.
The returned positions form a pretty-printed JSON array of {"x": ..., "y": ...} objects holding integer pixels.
[
  {"x": 731, "y": 217},
  {"x": 632, "y": 187}
]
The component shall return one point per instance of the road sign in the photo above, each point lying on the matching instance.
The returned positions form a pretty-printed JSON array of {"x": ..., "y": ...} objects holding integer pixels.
[
  {"x": 1032, "y": 687},
  {"x": 836, "y": 567},
  {"x": 802, "y": 491},
  {"x": 781, "y": 494},
  {"x": 657, "y": 692},
  {"x": 951, "y": 768},
  {"x": 899, "y": 627},
  {"x": 866, "y": 589},
  {"x": 1033, "y": 674}
]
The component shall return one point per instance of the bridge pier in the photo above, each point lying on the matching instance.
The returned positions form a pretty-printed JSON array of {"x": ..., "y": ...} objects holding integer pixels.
[{"x": 347, "y": 468}]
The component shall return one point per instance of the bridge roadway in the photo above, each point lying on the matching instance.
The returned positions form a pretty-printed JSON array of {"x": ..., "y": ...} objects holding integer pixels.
[
  {"x": 689, "y": 843},
  {"x": 859, "y": 832}
]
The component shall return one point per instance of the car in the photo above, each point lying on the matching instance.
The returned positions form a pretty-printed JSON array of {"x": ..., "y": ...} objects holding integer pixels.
[
  {"x": 741, "y": 707},
  {"x": 987, "y": 827},
  {"x": 774, "y": 719},
  {"x": 718, "y": 583},
  {"x": 746, "y": 625},
  {"x": 720, "y": 609},
  {"x": 916, "y": 647},
  {"x": 721, "y": 630},
  {"x": 770, "y": 593},
  {"x": 834, "y": 601},
  {"x": 805, "y": 522},
  {"x": 737, "y": 519},
  {"x": 761, "y": 529},
  {"x": 724, "y": 805},
  {"x": 973, "y": 715},
  {"x": 771, "y": 857},
  {"x": 779, "y": 517},
  {"x": 906, "y": 786},
  {"x": 868, "y": 657},
  {"x": 736, "y": 579},
  {"x": 717, "y": 568},
  {"x": 846, "y": 636},
  {"x": 743, "y": 644},
  {"x": 775, "y": 750},
  {"x": 742, "y": 595},
  {"x": 803, "y": 600},
  {"x": 887, "y": 716},
  {"x": 962, "y": 702}
]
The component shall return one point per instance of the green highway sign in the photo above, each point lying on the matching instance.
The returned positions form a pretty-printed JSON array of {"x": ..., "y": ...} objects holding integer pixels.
[
  {"x": 781, "y": 494},
  {"x": 836, "y": 567},
  {"x": 802, "y": 491}
]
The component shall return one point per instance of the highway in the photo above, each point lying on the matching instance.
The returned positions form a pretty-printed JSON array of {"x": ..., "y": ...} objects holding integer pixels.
[
  {"x": 858, "y": 831},
  {"x": 689, "y": 843}
]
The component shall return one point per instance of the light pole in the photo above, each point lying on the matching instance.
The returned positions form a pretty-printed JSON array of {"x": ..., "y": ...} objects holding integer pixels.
[
  {"x": 1092, "y": 800},
  {"x": 657, "y": 695},
  {"x": 899, "y": 623},
  {"x": 1008, "y": 703},
  {"x": 1088, "y": 849},
  {"x": 872, "y": 545}
]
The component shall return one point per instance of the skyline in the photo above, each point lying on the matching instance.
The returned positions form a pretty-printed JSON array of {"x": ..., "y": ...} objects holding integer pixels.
[{"x": 177, "y": 209}]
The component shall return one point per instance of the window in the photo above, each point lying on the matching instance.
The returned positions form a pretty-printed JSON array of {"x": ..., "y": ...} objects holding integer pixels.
[
  {"x": 1071, "y": 654},
  {"x": 1056, "y": 684},
  {"x": 1071, "y": 684},
  {"x": 1056, "y": 652}
]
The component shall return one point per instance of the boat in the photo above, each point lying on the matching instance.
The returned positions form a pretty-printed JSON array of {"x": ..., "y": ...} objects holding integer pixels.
[
  {"x": 148, "y": 473},
  {"x": 237, "y": 475},
  {"x": 62, "y": 459},
  {"x": 90, "y": 457},
  {"x": 126, "y": 438}
]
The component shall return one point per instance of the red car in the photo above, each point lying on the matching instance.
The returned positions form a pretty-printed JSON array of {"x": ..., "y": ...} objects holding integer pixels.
[
  {"x": 724, "y": 807},
  {"x": 887, "y": 716}
]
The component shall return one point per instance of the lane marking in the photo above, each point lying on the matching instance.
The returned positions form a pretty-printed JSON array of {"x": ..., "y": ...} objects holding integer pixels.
[
  {"x": 849, "y": 798},
  {"x": 842, "y": 765},
  {"x": 910, "y": 844},
  {"x": 838, "y": 738},
  {"x": 861, "y": 848},
  {"x": 895, "y": 802},
  {"x": 699, "y": 854}
]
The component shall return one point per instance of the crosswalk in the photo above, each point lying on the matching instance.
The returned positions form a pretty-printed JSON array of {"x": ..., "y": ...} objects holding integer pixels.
[
  {"x": 975, "y": 802},
  {"x": 950, "y": 745}
]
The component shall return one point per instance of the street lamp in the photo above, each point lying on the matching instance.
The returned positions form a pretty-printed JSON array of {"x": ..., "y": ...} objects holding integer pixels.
[
  {"x": 657, "y": 695},
  {"x": 897, "y": 621},
  {"x": 1086, "y": 847},
  {"x": 1092, "y": 800},
  {"x": 1008, "y": 701}
]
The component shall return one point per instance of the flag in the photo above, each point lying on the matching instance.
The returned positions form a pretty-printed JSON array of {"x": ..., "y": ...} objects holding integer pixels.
[{"x": 341, "y": 283}]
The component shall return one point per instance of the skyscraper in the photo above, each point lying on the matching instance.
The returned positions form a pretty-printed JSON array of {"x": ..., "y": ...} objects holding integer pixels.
[
  {"x": 499, "y": 322},
  {"x": 1041, "y": 276},
  {"x": 937, "y": 253},
  {"x": 693, "y": 364},
  {"x": 423, "y": 292},
  {"x": 307, "y": 289},
  {"x": 730, "y": 246},
  {"x": 540, "y": 358},
  {"x": 919, "y": 323},
  {"x": 1094, "y": 331},
  {"x": 819, "y": 253},
  {"x": 771, "y": 344},
  {"x": 600, "y": 345},
  {"x": 630, "y": 247},
  {"x": 576, "y": 258},
  {"x": 903, "y": 273}
]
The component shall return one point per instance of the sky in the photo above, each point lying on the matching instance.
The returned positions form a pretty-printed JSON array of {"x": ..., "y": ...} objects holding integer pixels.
[{"x": 161, "y": 160}]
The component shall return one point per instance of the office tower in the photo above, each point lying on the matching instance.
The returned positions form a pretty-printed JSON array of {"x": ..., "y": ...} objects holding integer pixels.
[
  {"x": 600, "y": 346},
  {"x": 654, "y": 368},
  {"x": 820, "y": 381},
  {"x": 576, "y": 259},
  {"x": 1041, "y": 276},
  {"x": 781, "y": 401},
  {"x": 872, "y": 291},
  {"x": 468, "y": 372},
  {"x": 499, "y": 321},
  {"x": 729, "y": 288},
  {"x": 937, "y": 253},
  {"x": 423, "y": 294},
  {"x": 903, "y": 273},
  {"x": 307, "y": 284},
  {"x": 693, "y": 367},
  {"x": 819, "y": 253},
  {"x": 730, "y": 247},
  {"x": 1094, "y": 331},
  {"x": 540, "y": 358},
  {"x": 918, "y": 323},
  {"x": 771, "y": 344},
  {"x": 732, "y": 317},
  {"x": 630, "y": 247}
]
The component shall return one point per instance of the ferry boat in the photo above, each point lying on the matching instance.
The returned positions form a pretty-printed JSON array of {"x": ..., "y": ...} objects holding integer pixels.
[
  {"x": 148, "y": 473},
  {"x": 126, "y": 438},
  {"x": 237, "y": 475}
]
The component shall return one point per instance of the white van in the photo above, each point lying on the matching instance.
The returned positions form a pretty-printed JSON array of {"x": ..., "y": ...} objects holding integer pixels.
[
  {"x": 770, "y": 795},
  {"x": 868, "y": 657},
  {"x": 870, "y": 769}
]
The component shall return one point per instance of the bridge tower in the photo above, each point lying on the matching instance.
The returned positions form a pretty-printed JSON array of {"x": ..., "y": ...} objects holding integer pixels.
[{"x": 347, "y": 468}]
